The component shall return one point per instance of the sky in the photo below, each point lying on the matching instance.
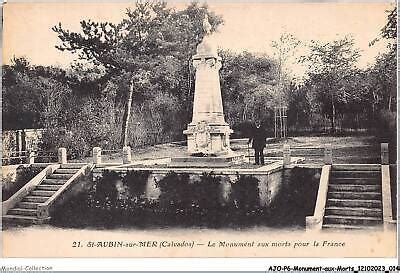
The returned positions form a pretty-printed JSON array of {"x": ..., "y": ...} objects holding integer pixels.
[{"x": 250, "y": 26}]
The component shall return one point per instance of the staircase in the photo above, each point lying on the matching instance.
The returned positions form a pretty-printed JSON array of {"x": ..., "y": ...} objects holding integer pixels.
[
  {"x": 354, "y": 199},
  {"x": 26, "y": 210}
]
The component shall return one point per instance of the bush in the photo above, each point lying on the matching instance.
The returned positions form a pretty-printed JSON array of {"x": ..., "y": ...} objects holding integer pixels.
[
  {"x": 136, "y": 182},
  {"x": 24, "y": 175},
  {"x": 104, "y": 193},
  {"x": 175, "y": 190},
  {"x": 206, "y": 191},
  {"x": 181, "y": 202},
  {"x": 245, "y": 193}
]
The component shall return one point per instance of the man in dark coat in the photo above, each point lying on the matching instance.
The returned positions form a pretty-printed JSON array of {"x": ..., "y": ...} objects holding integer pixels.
[{"x": 258, "y": 140}]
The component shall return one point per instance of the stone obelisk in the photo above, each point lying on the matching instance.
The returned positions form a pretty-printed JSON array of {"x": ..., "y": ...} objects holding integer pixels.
[{"x": 208, "y": 133}]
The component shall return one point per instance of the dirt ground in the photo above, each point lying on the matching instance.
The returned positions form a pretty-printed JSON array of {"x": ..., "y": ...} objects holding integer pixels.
[{"x": 349, "y": 149}]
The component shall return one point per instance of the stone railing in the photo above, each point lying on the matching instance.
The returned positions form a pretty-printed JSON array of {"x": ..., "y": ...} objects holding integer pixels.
[
  {"x": 387, "y": 212},
  {"x": 60, "y": 155},
  {"x": 315, "y": 221},
  {"x": 44, "y": 209},
  {"x": 126, "y": 155},
  {"x": 27, "y": 188},
  {"x": 324, "y": 152}
]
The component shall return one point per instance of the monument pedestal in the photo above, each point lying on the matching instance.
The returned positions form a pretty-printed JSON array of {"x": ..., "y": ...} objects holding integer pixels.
[{"x": 208, "y": 138}]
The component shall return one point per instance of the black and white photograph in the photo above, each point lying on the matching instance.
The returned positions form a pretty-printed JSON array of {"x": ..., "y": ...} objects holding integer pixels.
[{"x": 199, "y": 129}]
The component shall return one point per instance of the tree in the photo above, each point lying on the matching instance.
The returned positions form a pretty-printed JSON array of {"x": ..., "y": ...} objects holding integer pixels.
[
  {"x": 284, "y": 48},
  {"x": 389, "y": 31},
  {"x": 385, "y": 68},
  {"x": 329, "y": 66},
  {"x": 151, "y": 38},
  {"x": 33, "y": 96},
  {"x": 246, "y": 84}
]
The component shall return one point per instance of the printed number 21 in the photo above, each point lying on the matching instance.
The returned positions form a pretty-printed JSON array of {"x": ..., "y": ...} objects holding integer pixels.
[{"x": 76, "y": 244}]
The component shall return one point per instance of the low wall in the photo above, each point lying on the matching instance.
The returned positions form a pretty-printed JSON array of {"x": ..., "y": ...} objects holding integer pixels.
[{"x": 269, "y": 182}]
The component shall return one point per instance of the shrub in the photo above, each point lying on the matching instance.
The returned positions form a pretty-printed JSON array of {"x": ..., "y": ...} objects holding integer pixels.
[
  {"x": 24, "y": 175},
  {"x": 105, "y": 194},
  {"x": 175, "y": 190},
  {"x": 206, "y": 191},
  {"x": 136, "y": 182},
  {"x": 245, "y": 193}
]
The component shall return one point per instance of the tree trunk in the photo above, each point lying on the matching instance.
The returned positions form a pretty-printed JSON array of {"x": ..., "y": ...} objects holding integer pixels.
[
  {"x": 127, "y": 115},
  {"x": 333, "y": 129}
]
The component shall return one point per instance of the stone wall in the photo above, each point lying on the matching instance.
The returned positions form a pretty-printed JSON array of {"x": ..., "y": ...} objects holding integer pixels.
[{"x": 269, "y": 184}]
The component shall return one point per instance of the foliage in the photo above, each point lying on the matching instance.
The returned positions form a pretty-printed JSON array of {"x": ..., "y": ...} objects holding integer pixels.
[
  {"x": 284, "y": 49},
  {"x": 147, "y": 52},
  {"x": 175, "y": 190},
  {"x": 182, "y": 201},
  {"x": 136, "y": 182},
  {"x": 23, "y": 176},
  {"x": 247, "y": 84},
  {"x": 206, "y": 191},
  {"x": 33, "y": 96},
  {"x": 389, "y": 31},
  {"x": 245, "y": 193},
  {"x": 330, "y": 66},
  {"x": 105, "y": 194}
]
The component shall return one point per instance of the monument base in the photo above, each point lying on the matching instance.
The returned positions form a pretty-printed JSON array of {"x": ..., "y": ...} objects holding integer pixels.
[
  {"x": 208, "y": 138},
  {"x": 219, "y": 161}
]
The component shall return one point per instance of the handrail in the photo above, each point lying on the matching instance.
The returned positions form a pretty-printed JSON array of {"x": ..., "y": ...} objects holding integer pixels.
[
  {"x": 43, "y": 210},
  {"x": 315, "y": 221},
  {"x": 27, "y": 188},
  {"x": 386, "y": 198}
]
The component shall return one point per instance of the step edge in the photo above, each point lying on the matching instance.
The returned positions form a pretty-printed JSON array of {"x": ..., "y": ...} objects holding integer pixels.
[
  {"x": 362, "y": 200},
  {"x": 23, "y": 209},
  {"x": 20, "y": 217},
  {"x": 342, "y": 226},
  {"x": 356, "y": 192},
  {"x": 352, "y": 217},
  {"x": 355, "y": 208}
]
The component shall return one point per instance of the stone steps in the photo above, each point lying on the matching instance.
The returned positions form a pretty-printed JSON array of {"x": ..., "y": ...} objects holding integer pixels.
[
  {"x": 49, "y": 181},
  {"x": 354, "y": 187},
  {"x": 21, "y": 219},
  {"x": 355, "y": 174},
  {"x": 27, "y": 205},
  {"x": 76, "y": 166},
  {"x": 354, "y": 194},
  {"x": 47, "y": 187},
  {"x": 351, "y": 227},
  {"x": 61, "y": 176},
  {"x": 35, "y": 199},
  {"x": 25, "y": 211},
  {"x": 66, "y": 171},
  {"x": 357, "y": 211},
  {"x": 354, "y": 199},
  {"x": 354, "y": 181},
  {"x": 22, "y": 211},
  {"x": 42, "y": 193},
  {"x": 354, "y": 203},
  {"x": 356, "y": 167},
  {"x": 352, "y": 220}
]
